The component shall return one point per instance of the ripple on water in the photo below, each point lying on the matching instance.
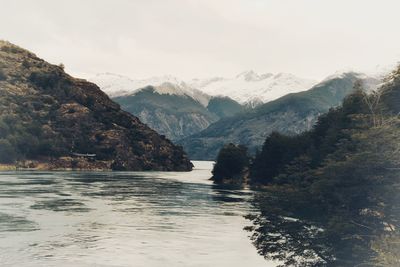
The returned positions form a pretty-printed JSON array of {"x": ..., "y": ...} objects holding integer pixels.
[
  {"x": 13, "y": 223},
  {"x": 123, "y": 219},
  {"x": 60, "y": 205}
]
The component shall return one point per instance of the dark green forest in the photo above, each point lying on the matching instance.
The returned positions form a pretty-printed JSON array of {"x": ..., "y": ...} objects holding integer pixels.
[{"x": 330, "y": 196}]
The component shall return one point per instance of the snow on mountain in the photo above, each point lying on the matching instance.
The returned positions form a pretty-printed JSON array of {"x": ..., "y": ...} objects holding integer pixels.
[
  {"x": 249, "y": 87},
  {"x": 116, "y": 85},
  {"x": 182, "y": 89},
  {"x": 370, "y": 81}
]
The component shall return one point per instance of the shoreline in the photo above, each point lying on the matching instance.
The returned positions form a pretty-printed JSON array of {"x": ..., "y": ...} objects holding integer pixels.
[{"x": 71, "y": 164}]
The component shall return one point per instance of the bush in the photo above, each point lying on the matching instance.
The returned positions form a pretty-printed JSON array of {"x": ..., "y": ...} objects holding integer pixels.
[
  {"x": 232, "y": 160},
  {"x": 45, "y": 80},
  {"x": 3, "y": 76},
  {"x": 7, "y": 152}
]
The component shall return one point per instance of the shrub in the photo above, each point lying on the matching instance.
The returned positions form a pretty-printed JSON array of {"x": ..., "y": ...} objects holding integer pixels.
[
  {"x": 231, "y": 162},
  {"x": 44, "y": 80},
  {"x": 7, "y": 152},
  {"x": 3, "y": 76}
]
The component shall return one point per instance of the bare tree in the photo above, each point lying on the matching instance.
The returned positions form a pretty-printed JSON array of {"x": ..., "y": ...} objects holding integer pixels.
[{"x": 372, "y": 101}]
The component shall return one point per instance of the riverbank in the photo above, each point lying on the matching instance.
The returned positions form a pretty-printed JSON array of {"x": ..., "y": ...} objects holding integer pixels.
[
  {"x": 59, "y": 164},
  {"x": 80, "y": 164}
]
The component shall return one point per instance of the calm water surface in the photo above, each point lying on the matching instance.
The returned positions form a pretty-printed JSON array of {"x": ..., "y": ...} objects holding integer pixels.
[{"x": 123, "y": 219}]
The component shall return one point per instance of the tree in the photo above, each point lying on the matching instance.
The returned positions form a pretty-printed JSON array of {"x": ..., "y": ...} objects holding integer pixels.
[
  {"x": 231, "y": 162},
  {"x": 338, "y": 194},
  {"x": 7, "y": 152}
]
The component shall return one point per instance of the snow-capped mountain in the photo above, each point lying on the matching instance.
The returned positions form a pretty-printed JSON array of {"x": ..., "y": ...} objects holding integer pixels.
[
  {"x": 181, "y": 89},
  {"x": 166, "y": 104},
  {"x": 115, "y": 85},
  {"x": 370, "y": 81},
  {"x": 250, "y": 87},
  {"x": 118, "y": 85}
]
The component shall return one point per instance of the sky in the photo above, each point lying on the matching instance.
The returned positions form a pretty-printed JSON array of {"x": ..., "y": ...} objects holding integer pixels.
[{"x": 206, "y": 38}]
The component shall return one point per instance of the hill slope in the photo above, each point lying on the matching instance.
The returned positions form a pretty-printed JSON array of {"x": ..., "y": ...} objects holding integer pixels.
[
  {"x": 53, "y": 121},
  {"x": 175, "y": 112},
  {"x": 291, "y": 114}
]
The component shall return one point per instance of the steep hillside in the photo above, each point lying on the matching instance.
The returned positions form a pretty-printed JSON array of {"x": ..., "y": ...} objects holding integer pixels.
[
  {"x": 174, "y": 111},
  {"x": 223, "y": 106},
  {"x": 174, "y": 116},
  {"x": 340, "y": 181},
  {"x": 291, "y": 114},
  {"x": 50, "y": 120}
]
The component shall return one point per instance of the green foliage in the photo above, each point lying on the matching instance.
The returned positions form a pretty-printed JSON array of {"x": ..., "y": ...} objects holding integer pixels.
[
  {"x": 290, "y": 114},
  {"x": 278, "y": 150},
  {"x": 7, "y": 152},
  {"x": 331, "y": 129},
  {"x": 24, "y": 139},
  {"x": 333, "y": 191},
  {"x": 231, "y": 162}
]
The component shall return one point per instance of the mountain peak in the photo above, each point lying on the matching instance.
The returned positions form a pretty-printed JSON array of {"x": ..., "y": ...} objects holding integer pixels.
[
  {"x": 249, "y": 86},
  {"x": 249, "y": 76}
]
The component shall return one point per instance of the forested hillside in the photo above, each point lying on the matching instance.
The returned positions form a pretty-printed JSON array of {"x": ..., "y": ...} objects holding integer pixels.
[
  {"x": 291, "y": 114},
  {"x": 50, "y": 120},
  {"x": 333, "y": 193},
  {"x": 174, "y": 112}
]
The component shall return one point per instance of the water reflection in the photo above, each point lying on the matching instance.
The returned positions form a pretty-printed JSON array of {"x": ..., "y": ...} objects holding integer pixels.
[
  {"x": 297, "y": 228},
  {"x": 123, "y": 219}
]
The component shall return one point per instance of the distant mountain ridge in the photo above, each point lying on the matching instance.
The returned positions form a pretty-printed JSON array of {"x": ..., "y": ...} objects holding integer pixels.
[
  {"x": 290, "y": 114},
  {"x": 252, "y": 88},
  {"x": 115, "y": 85},
  {"x": 247, "y": 88},
  {"x": 175, "y": 111}
]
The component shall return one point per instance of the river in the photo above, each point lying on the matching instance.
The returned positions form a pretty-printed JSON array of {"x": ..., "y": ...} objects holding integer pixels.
[{"x": 123, "y": 219}]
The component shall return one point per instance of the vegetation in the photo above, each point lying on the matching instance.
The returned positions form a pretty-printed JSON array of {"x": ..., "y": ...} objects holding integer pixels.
[
  {"x": 174, "y": 115},
  {"x": 47, "y": 116},
  {"x": 332, "y": 194},
  {"x": 231, "y": 163},
  {"x": 224, "y": 106},
  {"x": 291, "y": 114}
]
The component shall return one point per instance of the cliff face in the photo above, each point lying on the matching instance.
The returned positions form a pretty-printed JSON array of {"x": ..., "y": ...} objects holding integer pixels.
[{"x": 48, "y": 116}]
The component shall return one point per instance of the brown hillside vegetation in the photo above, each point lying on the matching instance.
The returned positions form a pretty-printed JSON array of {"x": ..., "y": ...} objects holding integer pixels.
[{"x": 47, "y": 118}]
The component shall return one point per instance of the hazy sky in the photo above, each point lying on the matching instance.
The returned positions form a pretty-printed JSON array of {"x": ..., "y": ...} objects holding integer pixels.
[{"x": 188, "y": 38}]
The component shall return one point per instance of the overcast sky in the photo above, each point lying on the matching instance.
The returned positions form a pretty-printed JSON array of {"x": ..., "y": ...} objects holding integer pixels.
[{"x": 188, "y": 38}]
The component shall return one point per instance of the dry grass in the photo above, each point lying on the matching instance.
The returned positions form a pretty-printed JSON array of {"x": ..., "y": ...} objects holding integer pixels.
[{"x": 7, "y": 167}]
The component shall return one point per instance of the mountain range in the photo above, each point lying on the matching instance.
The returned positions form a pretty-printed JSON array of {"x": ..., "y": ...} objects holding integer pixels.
[
  {"x": 177, "y": 108},
  {"x": 251, "y": 88},
  {"x": 247, "y": 88},
  {"x": 176, "y": 111},
  {"x": 290, "y": 114},
  {"x": 250, "y": 106}
]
